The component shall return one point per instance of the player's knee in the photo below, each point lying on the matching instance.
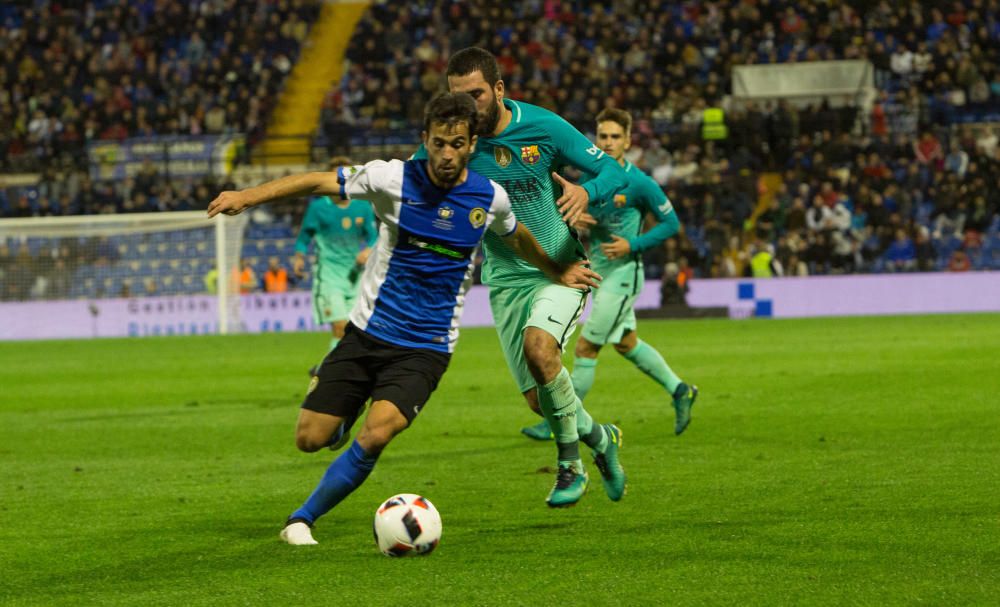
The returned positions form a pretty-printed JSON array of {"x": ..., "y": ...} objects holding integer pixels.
[
  {"x": 373, "y": 440},
  {"x": 585, "y": 349},
  {"x": 541, "y": 351},
  {"x": 628, "y": 343},
  {"x": 307, "y": 441},
  {"x": 623, "y": 348}
]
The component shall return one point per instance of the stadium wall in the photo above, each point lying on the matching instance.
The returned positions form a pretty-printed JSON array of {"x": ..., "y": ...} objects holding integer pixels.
[{"x": 852, "y": 295}]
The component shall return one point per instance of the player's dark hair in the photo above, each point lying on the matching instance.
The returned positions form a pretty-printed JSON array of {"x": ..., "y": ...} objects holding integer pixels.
[
  {"x": 615, "y": 115},
  {"x": 450, "y": 109},
  {"x": 474, "y": 59}
]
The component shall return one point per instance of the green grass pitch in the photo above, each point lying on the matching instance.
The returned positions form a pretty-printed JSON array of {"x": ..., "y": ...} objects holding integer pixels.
[{"x": 830, "y": 461}]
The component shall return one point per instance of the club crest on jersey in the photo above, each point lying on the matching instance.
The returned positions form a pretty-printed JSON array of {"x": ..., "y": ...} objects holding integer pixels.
[
  {"x": 620, "y": 200},
  {"x": 477, "y": 217},
  {"x": 503, "y": 156},
  {"x": 359, "y": 220},
  {"x": 346, "y": 223},
  {"x": 444, "y": 215},
  {"x": 530, "y": 154}
]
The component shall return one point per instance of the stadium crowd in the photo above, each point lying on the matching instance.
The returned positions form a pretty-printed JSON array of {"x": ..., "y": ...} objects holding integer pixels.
[
  {"x": 914, "y": 183},
  {"x": 902, "y": 187},
  {"x": 77, "y": 72}
]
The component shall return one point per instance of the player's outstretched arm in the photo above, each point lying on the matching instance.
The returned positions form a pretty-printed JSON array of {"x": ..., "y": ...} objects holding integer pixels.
[
  {"x": 292, "y": 186},
  {"x": 574, "y": 275}
]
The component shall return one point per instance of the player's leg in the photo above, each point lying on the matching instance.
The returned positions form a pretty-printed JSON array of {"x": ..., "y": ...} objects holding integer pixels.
[
  {"x": 648, "y": 360},
  {"x": 335, "y": 399},
  {"x": 510, "y": 307},
  {"x": 555, "y": 312},
  {"x": 549, "y": 304},
  {"x": 604, "y": 326}
]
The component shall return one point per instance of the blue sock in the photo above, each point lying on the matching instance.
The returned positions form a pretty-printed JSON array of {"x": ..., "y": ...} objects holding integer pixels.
[{"x": 344, "y": 475}]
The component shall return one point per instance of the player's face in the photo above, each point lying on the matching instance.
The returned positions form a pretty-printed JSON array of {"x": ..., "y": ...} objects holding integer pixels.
[
  {"x": 488, "y": 99},
  {"x": 448, "y": 148},
  {"x": 612, "y": 139}
]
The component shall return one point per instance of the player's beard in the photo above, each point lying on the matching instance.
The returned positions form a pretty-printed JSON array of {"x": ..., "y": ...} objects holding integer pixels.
[
  {"x": 449, "y": 180},
  {"x": 488, "y": 120}
]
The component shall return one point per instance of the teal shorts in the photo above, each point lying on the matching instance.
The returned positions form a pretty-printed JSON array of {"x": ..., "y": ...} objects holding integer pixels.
[
  {"x": 553, "y": 308},
  {"x": 613, "y": 312},
  {"x": 611, "y": 317},
  {"x": 331, "y": 305}
]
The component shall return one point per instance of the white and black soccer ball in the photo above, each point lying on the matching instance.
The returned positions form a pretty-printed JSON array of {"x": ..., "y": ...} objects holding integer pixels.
[{"x": 407, "y": 524}]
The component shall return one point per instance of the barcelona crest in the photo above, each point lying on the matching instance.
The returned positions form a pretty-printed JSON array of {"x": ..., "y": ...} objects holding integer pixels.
[
  {"x": 620, "y": 200},
  {"x": 530, "y": 154}
]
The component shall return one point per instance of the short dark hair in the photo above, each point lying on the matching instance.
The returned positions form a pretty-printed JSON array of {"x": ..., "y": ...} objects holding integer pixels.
[
  {"x": 450, "y": 109},
  {"x": 615, "y": 115},
  {"x": 474, "y": 59}
]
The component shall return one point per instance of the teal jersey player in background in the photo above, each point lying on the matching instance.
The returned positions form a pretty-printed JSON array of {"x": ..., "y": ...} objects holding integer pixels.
[
  {"x": 616, "y": 246},
  {"x": 343, "y": 232},
  {"x": 520, "y": 147}
]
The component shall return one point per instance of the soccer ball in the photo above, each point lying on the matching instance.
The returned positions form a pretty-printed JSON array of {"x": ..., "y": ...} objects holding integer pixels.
[{"x": 407, "y": 524}]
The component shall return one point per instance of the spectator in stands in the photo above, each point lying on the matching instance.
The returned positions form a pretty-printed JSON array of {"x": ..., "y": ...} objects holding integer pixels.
[
  {"x": 211, "y": 280},
  {"x": 901, "y": 255},
  {"x": 247, "y": 278},
  {"x": 959, "y": 262},
  {"x": 673, "y": 288},
  {"x": 276, "y": 277}
]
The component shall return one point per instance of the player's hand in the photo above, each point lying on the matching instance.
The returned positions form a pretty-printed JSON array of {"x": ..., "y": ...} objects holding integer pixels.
[
  {"x": 230, "y": 203},
  {"x": 573, "y": 201},
  {"x": 585, "y": 221},
  {"x": 580, "y": 276},
  {"x": 362, "y": 257},
  {"x": 618, "y": 247}
]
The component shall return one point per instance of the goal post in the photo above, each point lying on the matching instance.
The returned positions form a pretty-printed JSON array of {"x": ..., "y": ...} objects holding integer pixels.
[{"x": 124, "y": 256}]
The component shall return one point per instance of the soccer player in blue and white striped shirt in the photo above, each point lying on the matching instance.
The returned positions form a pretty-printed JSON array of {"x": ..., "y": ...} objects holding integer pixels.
[{"x": 404, "y": 325}]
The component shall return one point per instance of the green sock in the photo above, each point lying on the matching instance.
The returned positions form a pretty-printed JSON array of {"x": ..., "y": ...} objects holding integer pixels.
[
  {"x": 649, "y": 361},
  {"x": 583, "y": 376},
  {"x": 592, "y": 435},
  {"x": 559, "y": 404}
]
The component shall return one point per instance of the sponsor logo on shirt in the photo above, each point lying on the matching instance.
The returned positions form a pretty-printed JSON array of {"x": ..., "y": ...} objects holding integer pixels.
[
  {"x": 530, "y": 154},
  {"x": 503, "y": 156}
]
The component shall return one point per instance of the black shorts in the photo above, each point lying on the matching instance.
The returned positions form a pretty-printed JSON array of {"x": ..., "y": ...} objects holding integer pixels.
[{"x": 363, "y": 367}]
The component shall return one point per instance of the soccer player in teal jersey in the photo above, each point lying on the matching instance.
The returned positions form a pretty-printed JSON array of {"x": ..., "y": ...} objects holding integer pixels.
[
  {"x": 616, "y": 247},
  {"x": 339, "y": 229},
  {"x": 521, "y": 146}
]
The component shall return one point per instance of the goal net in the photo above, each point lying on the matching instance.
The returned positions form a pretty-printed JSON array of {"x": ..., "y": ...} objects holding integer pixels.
[{"x": 179, "y": 259}]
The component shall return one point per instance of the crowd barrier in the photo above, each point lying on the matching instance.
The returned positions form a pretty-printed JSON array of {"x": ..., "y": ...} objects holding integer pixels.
[{"x": 851, "y": 295}]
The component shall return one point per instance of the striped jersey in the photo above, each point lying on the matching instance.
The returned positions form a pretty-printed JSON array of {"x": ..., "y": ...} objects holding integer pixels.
[
  {"x": 338, "y": 233},
  {"x": 621, "y": 215},
  {"x": 414, "y": 284},
  {"x": 522, "y": 159}
]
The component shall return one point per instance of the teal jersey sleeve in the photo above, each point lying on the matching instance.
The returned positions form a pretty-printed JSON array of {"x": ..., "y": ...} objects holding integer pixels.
[
  {"x": 310, "y": 226},
  {"x": 656, "y": 202},
  {"x": 574, "y": 149},
  {"x": 369, "y": 227},
  {"x": 420, "y": 154}
]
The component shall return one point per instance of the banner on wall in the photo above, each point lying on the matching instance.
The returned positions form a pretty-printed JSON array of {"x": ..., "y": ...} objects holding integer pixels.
[
  {"x": 852, "y": 295},
  {"x": 172, "y": 155}
]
